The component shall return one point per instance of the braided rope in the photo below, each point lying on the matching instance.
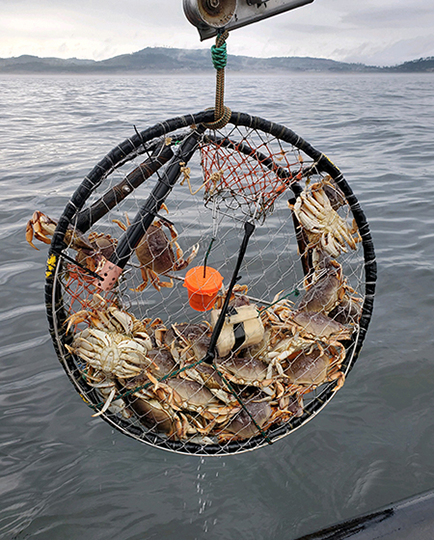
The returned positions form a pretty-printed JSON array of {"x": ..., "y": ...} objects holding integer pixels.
[{"x": 222, "y": 113}]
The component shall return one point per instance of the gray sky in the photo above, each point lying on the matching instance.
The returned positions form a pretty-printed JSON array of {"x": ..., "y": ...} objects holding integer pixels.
[{"x": 376, "y": 32}]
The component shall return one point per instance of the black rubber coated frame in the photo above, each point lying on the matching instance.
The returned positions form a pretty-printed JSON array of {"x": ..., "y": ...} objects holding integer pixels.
[{"x": 123, "y": 153}]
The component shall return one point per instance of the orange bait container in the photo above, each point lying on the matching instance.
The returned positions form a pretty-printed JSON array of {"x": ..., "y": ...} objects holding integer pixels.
[{"x": 202, "y": 287}]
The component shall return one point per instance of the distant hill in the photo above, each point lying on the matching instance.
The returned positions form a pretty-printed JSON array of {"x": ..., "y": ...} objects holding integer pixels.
[
  {"x": 33, "y": 64},
  {"x": 421, "y": 65},
  {"x": 164, "y": 60}
]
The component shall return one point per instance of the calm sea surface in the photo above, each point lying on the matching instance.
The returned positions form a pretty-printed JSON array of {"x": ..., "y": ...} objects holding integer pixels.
[{"x": 65, "y": 475}]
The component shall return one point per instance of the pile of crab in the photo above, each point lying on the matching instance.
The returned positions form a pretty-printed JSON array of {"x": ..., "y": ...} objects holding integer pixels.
[
  {"x": 143, "y": 369},
  {"x": 157, "y": 375}
]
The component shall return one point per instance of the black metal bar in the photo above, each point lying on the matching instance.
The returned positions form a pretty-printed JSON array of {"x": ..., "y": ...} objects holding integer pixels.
[
  {"x": 73, "y": 261},
  {"x": 248, "y": 231},
  {"x": 89, "y": 216},
  {"x": 148, "y": 211}
]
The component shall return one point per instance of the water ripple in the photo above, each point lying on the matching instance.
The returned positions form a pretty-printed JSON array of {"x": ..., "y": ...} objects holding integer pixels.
[
  {"x": 7, "y": 350},
  {"x": 67, "y": 475}
]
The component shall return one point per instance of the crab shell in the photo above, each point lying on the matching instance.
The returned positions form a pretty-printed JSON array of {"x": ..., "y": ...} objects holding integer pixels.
[
  {"x": 320, "y": 364},
  {"x": 191, "y": 395},
  {"x": 157, "y": 256},
  {"x": 323, "y": 225},
  {"x": 112, "y": 353},
  {"x": 154, "y": 414},
  {"x": 248, "y": 422},
  {"x": 324, "y": 295},
  {"x": 108, "y": 318},
  {"x": 243, "y": 371}
]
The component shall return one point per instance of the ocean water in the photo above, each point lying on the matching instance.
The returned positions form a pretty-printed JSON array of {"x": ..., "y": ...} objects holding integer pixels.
[{"x": 64, "y": 474}]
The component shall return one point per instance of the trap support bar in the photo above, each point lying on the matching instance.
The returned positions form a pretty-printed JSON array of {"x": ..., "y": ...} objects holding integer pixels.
[
  {"x": 212, "y": 16},
  {"x": 114, "y": 267}
]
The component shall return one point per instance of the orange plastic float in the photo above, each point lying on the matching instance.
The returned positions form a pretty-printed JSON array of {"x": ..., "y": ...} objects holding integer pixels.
[{"x": 203, "y": 285}]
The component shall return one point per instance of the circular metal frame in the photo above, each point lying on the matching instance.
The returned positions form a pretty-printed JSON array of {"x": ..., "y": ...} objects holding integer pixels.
[{"x": 57, "y": 315}]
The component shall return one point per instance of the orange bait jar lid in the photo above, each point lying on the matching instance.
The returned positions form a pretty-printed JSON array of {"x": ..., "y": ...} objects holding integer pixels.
[{"x": 203, "y": 285}]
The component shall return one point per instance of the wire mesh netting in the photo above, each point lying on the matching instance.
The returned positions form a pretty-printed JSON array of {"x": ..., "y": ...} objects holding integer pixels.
[{"x": 291, "y": 327}]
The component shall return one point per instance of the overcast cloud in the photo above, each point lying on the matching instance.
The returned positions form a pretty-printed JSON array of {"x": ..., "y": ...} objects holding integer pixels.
[{"x": 377, "y": 32}]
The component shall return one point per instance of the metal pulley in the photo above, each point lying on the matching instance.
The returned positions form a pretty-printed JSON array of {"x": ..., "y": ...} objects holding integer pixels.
[{"x": 210, "y": 16}]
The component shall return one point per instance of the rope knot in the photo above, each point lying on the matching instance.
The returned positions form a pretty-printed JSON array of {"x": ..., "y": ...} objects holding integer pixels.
[{"x": 219, "y": 56}]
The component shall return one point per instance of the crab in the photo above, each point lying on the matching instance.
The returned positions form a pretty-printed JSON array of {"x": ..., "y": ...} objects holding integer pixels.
[
  {"x": 325, "y": 286},
  {"x": 317, "y": 326},
  {"x": 282, "y": 350},
  {"x": 41, "y": 227},
  {"x": 160, "y": 416},
  {"x": 158, "y": 255},
  {"x": 321, "y": 222},
  {"x": 302, "y": 362},
  {"x": 107, "y": 388},
  {"x": 188, "y": 341},
  {"x": 195, "y": 399},
  {"x": 161, "y": 408},
  {"x": 316, "y": 365},
  {"x": 114, "y": 354},
  {"x": 247, "y": 422},
  {"x": 163, "y": 363},
  {"x": 282, "y": 321},
  {"x": 209, "y": 377},
  {"x": 115, "y": 345},
  {"x": 299, "y": 332},
  {"x": 249, "y": 371},
  {"x": 108, "y": 317},
  {"x": 91, "y": 251}
]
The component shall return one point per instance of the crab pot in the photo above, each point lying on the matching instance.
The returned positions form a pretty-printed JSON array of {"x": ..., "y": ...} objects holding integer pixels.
[
  {"x": 245, "y": 173},
  {"x": 203, "y": 285}
]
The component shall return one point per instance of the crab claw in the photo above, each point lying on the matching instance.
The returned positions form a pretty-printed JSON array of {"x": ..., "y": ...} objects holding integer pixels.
[
  {"x": 40, "y": 227},
  {"x": 77, "y": 318}
]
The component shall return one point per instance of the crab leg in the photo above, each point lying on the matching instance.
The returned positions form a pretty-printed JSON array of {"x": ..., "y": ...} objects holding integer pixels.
[{"x": 106, "y": 404}]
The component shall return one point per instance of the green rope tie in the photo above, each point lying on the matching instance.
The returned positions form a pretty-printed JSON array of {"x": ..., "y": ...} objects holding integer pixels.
[
  {"x": 205, "y": 261},
  {"x": 219, "y": 56}
]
